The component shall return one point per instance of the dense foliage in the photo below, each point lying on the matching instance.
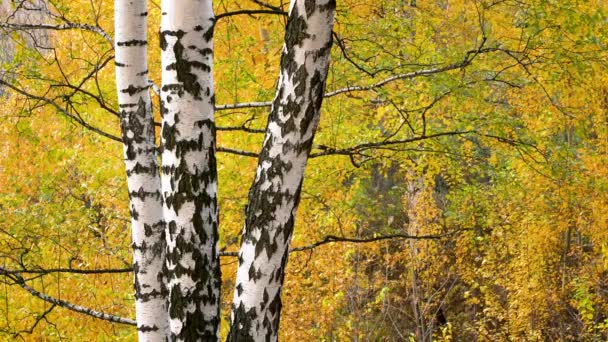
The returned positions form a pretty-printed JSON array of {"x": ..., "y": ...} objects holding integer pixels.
[{"x": 479, "y": 127}]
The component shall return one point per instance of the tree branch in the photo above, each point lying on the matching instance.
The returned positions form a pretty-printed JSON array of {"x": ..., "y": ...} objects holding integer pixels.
[
  {"x": 68, "y": 270},
  {"x": 240, "y": 128},
  {"x": 333, "y": 239},
  {"x": 371, "y": 145},
  {"x": 16, "y": 274},
  {"x": 243, "y": 105},
  {"x": 62, "y": 27},
  {"x": 249, "y": 12},
  {"x": 237, "y": 152},
  {"x": 18, "y": 279},
  {"x": 267, "y": 5}
]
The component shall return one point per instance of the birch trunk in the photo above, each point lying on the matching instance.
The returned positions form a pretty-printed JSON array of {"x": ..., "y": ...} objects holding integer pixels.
[
  {"x": 189, "y": 176},
  {"x": 275, "y": 193},
  {"x": 143, "y": 177}
]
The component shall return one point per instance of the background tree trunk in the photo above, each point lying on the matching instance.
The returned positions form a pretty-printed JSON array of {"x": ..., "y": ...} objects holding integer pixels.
[
  {"x": 143, "y": 179},
  {"x": 189, "y": 177},
  {"x": 275, "y": 193}
]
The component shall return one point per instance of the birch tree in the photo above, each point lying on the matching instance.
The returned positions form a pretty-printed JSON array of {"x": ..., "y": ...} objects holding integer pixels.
[
  {"x": 189, "y": 177},
  {"x": 143, "y": 178},
  {"x": 275, "y": 193}
]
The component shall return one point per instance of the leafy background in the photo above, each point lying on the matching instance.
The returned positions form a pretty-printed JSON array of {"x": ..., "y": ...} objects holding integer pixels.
[{"x": 515, "y": 186}]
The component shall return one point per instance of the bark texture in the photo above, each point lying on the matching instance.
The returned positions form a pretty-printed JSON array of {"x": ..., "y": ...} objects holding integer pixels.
[
  {"x": 143, "y": 176},
  {"x": 275, "y": 193},
  {"x": 189, "y": 176}
]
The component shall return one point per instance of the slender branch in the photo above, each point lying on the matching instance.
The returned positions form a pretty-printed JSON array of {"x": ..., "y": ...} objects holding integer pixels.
[
  {"x": 80, "y": 86},
  {"x": 249, "y": 12},
  {"x": 367, "y": 146},
  {"x": 333, "y": 239},
  {"x": 68, "y": 270},
  {"x": 18, "y": 279},
  {"x": 409, "y": 75},
  {"x": 240, "y": 128},
  {"x": 243, "y": 105},
  {"x": 237, "y": 152},
  {"x": 267, "y": 5},
  {"x": 340, "y": 44},
  {"x": 357, "y": 149},
  {"x": 61, "y": 27}
]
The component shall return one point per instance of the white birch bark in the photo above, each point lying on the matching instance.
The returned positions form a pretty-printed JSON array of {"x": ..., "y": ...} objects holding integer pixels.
[
  {"x": 143, "y": 177},
  {"x": 275, "y": 193},
  {"x": 189, "y": 177}
]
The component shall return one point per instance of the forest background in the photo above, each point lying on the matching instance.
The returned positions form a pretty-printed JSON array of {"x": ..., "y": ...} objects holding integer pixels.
[{"x": 480, "y": 126}]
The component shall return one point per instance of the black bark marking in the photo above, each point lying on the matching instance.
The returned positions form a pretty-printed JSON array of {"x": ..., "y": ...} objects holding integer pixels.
[
  {"x": 134, "y": 213},
  {"x": 243, "y": 321},
  {"x": 147, "y": 328},
  {"x": 205, "y": 51},
  {"x": 264, "y": 301},
  {"x": 132, "y": 90},
  {"x": 310, "y": 6},
  {"x": 142, "y": 169},
  {"x": 182, "y": 66},
  {"x": 133, "y": 42}
]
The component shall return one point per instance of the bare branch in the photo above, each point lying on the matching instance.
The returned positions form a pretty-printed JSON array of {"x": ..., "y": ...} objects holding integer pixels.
[
  {"x": 68, "y": 270},
  {"x": 237, "y": 152},
  {"x": 243, "y": 105},
  {"x": 409, "y": 75},
  {"x": 240, "y": 128},
  {"x": 340, "y": 43},
  {"x": 333, "y": 239},
  {"x": 61, "y": 27},
  {"x": 249, "y": 12},
  {"x": 267, "y": 5},
  {"x": 18, "y": 279},
  {"x": 362, "y": 147}
]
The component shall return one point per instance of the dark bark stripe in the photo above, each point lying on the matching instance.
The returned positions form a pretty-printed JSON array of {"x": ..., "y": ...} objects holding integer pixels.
[
  {"x": 133, "y": 42},
  {"x": 132, "y": 89}
]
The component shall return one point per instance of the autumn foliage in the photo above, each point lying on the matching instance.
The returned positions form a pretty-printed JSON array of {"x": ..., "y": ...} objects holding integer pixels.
[{"x": 457, "y": 188}]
